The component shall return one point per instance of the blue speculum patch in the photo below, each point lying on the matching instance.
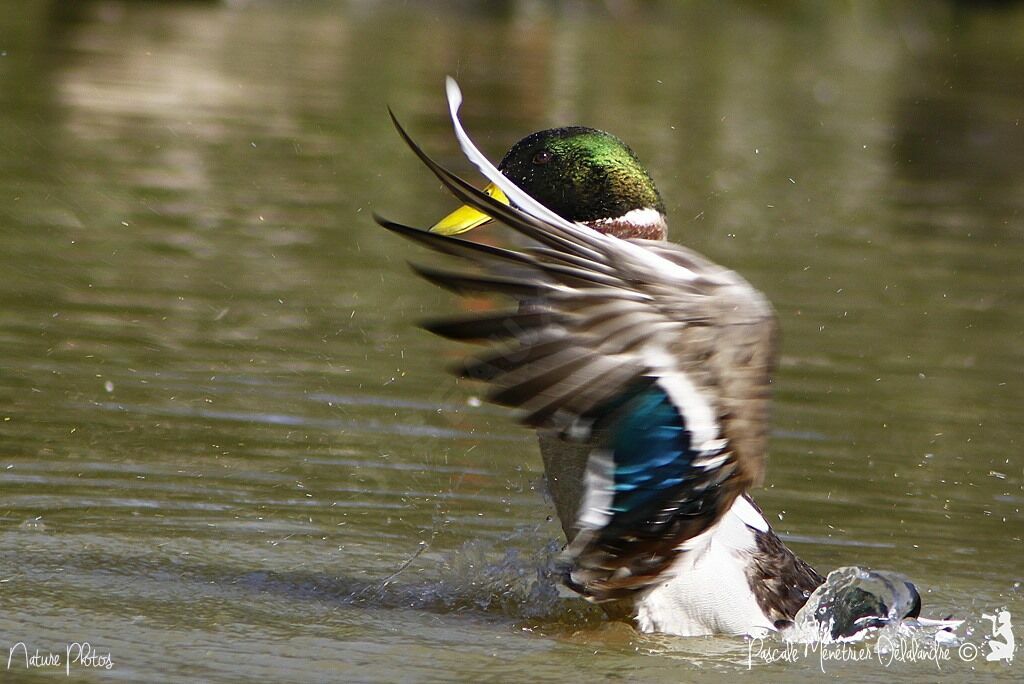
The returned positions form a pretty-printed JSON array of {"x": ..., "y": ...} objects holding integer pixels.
[{"x": 650, "y": 449}]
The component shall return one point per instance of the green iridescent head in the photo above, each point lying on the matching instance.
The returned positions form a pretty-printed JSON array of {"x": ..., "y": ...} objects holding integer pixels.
[{"x": 582, "y": 174}]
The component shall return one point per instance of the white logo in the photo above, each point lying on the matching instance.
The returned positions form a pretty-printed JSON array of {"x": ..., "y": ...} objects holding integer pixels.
[{"x": 1001, "y": 627}]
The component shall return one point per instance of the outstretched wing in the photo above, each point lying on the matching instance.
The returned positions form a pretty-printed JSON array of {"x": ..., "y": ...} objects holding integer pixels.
[{"x": 649, "y": 353}]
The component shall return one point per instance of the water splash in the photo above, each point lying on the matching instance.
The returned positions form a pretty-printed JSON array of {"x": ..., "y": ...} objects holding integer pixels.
[
  {"x": 490, "y": 576},
  {"x": 857, "y": 603}
]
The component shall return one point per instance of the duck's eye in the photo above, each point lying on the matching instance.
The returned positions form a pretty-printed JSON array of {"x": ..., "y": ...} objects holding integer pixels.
[{"x": 543, "y": 157}]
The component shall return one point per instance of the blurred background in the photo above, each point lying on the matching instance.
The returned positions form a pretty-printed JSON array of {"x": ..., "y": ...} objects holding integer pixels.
[{"x": 226, "y": 452}]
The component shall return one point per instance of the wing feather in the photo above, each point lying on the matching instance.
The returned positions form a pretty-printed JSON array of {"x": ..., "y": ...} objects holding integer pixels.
[{"x": 660, "y": 358}]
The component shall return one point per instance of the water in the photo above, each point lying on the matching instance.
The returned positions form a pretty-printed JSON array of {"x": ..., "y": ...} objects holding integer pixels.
[
  {"x": 853, "y": 601},
  {"x": 225, "y": 451}
]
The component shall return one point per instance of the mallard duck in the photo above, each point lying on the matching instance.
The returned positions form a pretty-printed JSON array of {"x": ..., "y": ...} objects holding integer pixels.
[{"x": 644, "y": 367}]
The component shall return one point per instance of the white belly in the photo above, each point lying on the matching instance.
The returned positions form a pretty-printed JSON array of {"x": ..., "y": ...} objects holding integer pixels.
[{"x": 708, "y": 592}]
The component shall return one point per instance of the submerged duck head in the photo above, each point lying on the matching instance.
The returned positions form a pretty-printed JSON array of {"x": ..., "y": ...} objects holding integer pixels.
[{"x": 582, "y": 174}]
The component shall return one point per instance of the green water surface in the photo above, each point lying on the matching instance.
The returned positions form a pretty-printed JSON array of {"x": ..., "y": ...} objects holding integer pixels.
[{"x": 227, "y": 454}]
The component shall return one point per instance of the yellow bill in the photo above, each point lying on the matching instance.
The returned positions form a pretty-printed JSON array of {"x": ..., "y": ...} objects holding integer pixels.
[{"x": 467, "y": 218}]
